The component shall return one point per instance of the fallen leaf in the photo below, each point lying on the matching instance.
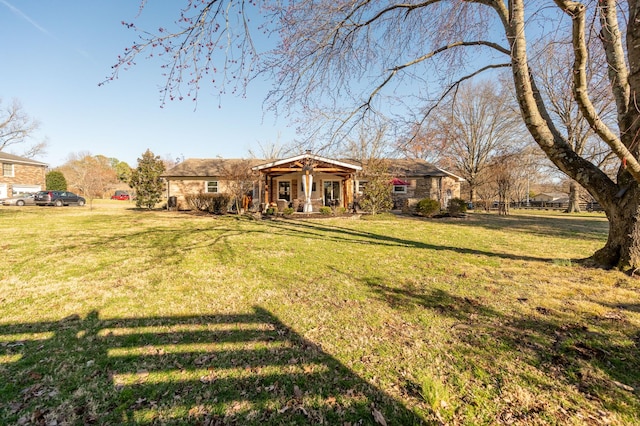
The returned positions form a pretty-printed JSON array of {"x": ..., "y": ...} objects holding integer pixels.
[
  {"x": 623, "y": 386},
  {"x": 378, "y": 417},
  {"x": 35, "y": 376},
  {"x": 542, "y": 310},
  {"x": 297, "y": 392}
]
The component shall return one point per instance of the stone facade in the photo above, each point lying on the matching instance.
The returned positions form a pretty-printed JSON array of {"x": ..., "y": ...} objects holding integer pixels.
[{"x": 440, "y": 188}]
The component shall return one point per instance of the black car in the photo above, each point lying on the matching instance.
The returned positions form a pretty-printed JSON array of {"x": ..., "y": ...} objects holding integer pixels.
[{"x": 58, "y": 198}]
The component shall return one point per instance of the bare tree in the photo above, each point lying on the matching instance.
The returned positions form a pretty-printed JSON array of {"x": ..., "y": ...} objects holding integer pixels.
[
  {"x": 426, "y": 142},
  {"x": 527, "y": 172},
  {"x": 270, "y": 150},
  {"x": 368, "y": 144},
  {"x": 240, "y": 181},
  {"x": 503, "y": 170},
  {"x": 476, "y": 124},
  {"x": 17, "y": 128},
  {"x": 363, "y": 53},
  {"x": 91, "y": 176},
  {"x": 376, "y": 195},
  {"x": 555, "y": 87}
]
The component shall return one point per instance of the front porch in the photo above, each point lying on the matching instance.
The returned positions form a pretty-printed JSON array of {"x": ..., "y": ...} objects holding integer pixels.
[{"x": 306, "y": 183}]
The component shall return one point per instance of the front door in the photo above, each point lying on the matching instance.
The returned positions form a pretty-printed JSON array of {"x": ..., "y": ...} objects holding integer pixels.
[{"x": 331, "y": 192}]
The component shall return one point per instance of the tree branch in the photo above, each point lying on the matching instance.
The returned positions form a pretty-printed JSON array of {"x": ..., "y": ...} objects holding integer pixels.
[
  {"x": 612, "y": 42},
  {"x": 577, "y": 11}
]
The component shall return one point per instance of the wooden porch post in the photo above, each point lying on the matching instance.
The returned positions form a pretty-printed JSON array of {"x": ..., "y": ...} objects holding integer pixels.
[
  {"x": 344, "y": 192},
  {"x": 349, "y": 187}
]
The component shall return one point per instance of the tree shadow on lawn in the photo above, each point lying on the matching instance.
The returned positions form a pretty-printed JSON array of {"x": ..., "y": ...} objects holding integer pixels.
[
  {"x": 171, "y": 244},
  {"x": 347, "y": 235},
  {"x": 598, "y": 356},
  {"x": 584, "y": 228},
  {"x": 167, "y": 244},
  {"x": 244, "y": 369}
]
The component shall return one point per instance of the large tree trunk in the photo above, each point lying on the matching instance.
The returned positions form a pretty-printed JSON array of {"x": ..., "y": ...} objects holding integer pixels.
[
  {"x": 622, "y": 250},
  {"x": 574, "y": 198},
  {"x": 620, "y": 199}
]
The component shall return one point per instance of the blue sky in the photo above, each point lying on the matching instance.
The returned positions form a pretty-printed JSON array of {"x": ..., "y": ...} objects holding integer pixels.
[{"x": 55, "y": 53}]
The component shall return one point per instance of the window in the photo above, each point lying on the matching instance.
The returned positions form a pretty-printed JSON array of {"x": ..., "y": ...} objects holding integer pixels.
[
  {"x": 212, "y": 186},
  {"x": 399, "y": 189},
  {"x": 361, "y": 186},
  {"x": 284, "y": 190},
  {"x": 7, "y": 170}
]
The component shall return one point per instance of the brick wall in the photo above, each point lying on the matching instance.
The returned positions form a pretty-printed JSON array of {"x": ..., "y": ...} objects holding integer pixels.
[
  {"x": 180, "y": 187},
  {"x": 24, "y": 174}
]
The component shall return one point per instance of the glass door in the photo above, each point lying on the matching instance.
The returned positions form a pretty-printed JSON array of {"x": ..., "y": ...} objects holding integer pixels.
[{"x": 331, "y": 192}]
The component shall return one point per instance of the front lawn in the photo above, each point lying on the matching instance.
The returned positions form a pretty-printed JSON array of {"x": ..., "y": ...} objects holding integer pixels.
[{"x": 115, "y": 316}]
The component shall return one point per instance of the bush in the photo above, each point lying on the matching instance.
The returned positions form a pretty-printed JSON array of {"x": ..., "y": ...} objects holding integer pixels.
[
  {"x": 457, "y": 206},
  {"x": 341, "y": 210},
  {"x": 210, "y": 203},
  {"x": 288, "y": 211},
  {"x": 326, "y": 211},
  {"x": 428, "y": 207},
  {"x": 55, "y": 181}
]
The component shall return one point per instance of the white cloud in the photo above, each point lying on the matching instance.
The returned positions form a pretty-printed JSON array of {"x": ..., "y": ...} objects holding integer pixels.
[{"x": 26, "y": 18}]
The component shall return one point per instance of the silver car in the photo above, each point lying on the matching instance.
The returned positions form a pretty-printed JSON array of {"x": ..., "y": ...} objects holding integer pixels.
[{"x": 19, "y": 200}]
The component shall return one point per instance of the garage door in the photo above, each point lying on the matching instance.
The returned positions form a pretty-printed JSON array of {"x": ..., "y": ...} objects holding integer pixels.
[
  {"x": 3, "y": 190},
  {"x": 21, "y": 189}
]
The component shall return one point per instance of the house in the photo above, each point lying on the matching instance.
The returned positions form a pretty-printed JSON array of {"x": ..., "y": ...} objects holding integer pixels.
[
  {"x": 20, "y": 175},
  {"x": 308, "y": 181},
  {"x": 550, "y": 199}
]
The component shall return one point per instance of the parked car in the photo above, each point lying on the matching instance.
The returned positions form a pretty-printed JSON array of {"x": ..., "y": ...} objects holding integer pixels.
[
  {"x": 58, "y": 198},
  {"x": 19, "y": 200},
  {"x": 120, "y": 195}
]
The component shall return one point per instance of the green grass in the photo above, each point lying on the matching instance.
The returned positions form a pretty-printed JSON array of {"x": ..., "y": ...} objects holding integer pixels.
[{"x": 116, "y": 316}]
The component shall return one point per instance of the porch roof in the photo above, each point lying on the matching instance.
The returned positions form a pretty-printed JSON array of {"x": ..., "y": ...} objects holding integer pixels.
[{"x": 295, "y": 164}]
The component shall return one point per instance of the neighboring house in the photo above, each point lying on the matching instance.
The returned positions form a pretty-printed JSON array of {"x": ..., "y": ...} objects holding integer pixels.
[
  {"x": 547, "y": 198},
  {"x": 307, "y": 182},
  {"x": 20, "y": 175}
]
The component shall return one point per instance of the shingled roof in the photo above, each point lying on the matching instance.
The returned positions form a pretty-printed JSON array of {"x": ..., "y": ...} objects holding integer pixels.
[
  {"x": 205, "y": 167},
  {"x": 215, "y": 167},
  {"x": 16, "y": 159},
  {"x": 417, "y": 168}
]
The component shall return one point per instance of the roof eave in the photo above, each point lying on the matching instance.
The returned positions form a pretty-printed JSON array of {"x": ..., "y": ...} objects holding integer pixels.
[{"x": 303, "y": 157}]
